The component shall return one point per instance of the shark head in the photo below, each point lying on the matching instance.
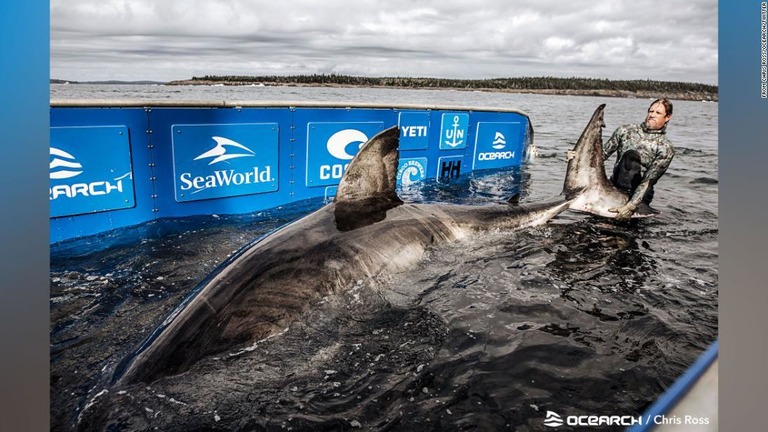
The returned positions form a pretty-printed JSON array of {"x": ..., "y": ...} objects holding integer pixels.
[{"x": 585, "y": 180}]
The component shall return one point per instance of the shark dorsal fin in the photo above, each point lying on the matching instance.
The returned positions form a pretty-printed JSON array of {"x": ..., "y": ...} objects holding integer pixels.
[
  {"x": 367, "y": 189},
  {"x": 372, "y": 174}
]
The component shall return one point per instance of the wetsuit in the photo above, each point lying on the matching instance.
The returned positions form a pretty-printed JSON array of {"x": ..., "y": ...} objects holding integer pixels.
[{"x": 636, "y": 148}]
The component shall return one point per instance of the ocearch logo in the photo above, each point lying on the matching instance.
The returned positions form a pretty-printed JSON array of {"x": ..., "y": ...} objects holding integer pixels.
[
  {"x": 63, "y": 165},
  {"x": 338, "y": 145},
  {"x": 553, "y": 419},
  {"x": 499, "y": 141},
  {"x": 225, "y": 150}
]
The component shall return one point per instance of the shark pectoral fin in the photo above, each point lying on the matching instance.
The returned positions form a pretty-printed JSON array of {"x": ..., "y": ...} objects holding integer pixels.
[
  {"x": 514, "y": 199},
  {"x": 372, "y": 174}
]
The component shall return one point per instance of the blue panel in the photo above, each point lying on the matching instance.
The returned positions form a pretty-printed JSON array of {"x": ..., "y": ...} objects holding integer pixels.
[
  {"x": 90, "y": 170},
  {"x": 250, "y": 127},
  {"x": 224, "y": 160},
  {"x": 497, "y": 145},
  {"x": 330, "y": 192},
  {"x": 331, "y": 146},
  {"x": 449, "y": 167},
  {"x": 414, "y": 130},
  {"x": 181, "y": 156},
  {"x": 454, "y": 130},
  {"x": 135, "y": 121},
  {"x": 411, "y": 170}
]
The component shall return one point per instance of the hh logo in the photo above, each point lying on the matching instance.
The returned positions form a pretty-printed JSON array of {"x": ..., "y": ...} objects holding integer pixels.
[
  {"x": 330, "y": 148},
  {"x": 448, "y": 168},
  {"x": 90, "y": 170},
  {"x": 224, "y": 160}
]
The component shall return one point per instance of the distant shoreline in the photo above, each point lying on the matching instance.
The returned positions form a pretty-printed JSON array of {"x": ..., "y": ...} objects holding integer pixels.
[
  {"x": 547, "y": 86},
  {"x": 640, "y": 94}
]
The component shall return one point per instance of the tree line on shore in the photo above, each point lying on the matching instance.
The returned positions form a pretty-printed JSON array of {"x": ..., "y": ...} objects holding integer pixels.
[{"x": 524, "y": 83}]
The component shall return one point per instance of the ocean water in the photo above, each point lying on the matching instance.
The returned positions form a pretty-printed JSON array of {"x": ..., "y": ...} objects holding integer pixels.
[{"x": 582, "y": 316}]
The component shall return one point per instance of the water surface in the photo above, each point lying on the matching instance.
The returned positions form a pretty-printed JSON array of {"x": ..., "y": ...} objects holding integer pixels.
[{"x": 582, "y": 316}]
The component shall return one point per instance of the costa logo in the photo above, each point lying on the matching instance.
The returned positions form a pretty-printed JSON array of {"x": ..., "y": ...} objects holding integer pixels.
[{"x": 330, "y": 148}]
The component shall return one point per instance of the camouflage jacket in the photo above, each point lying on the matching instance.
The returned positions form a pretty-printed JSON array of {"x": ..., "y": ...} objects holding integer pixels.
[{"x": 656, "y": 153}]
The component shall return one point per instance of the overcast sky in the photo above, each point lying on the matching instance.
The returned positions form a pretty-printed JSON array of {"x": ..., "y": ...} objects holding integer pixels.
[{"x": 670, "y": 40}]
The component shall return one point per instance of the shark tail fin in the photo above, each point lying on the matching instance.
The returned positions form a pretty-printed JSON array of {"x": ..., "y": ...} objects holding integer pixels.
[{"x": 586, "y": 167}]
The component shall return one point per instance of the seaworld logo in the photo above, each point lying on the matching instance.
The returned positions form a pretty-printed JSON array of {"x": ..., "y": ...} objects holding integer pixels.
[
  {"x": 219, "y": 153},
  {"x": 64, "y": 166},
  {"x": 223, "y": 178},
  {"x": 224, "y": 150}
]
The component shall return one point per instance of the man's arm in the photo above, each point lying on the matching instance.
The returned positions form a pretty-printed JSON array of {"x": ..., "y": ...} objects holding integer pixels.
[
  {"x": 610, "y": 147},
  {"x": 652, "y": 175}
]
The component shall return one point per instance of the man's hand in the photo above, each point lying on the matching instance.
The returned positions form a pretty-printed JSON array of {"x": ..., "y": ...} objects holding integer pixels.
[
  {"x": 570, "y": 154},
  {"x": 624, "y": 213}
]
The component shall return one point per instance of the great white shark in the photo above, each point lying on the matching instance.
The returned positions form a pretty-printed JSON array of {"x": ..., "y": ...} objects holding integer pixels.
[{"x": 366, "y": 231}]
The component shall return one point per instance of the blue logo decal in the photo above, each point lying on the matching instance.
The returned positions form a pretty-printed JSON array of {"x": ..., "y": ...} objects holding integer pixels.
[
  {"x": 497, "y": 145},
  {"x": 448, "y": 168},
  {"x": 411, "y": 170},
  {"x": 90, "y": 170},
  {"x": 330, "y": 193},
  {"x": 414, "y": 130},
  {"x": 331, "y": 146},
  {"x": 453, "y": 131},
  {"x": 224, "y": 160}
]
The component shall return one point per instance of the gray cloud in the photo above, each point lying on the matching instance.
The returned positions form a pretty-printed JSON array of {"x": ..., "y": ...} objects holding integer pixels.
[{"x": 175, "y": 39}]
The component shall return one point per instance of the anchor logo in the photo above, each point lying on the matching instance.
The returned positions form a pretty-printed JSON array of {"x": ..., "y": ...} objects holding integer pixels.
[
  {"x": 499, "y": 141},
  {"x": 455, "y": 135}
]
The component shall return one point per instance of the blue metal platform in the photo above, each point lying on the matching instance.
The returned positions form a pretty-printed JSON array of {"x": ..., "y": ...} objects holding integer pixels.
[{"x": 116, "y": 164}]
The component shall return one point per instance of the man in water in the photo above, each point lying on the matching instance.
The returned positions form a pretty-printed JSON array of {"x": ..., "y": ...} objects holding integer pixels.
[{"x": 639, "y": 146}]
